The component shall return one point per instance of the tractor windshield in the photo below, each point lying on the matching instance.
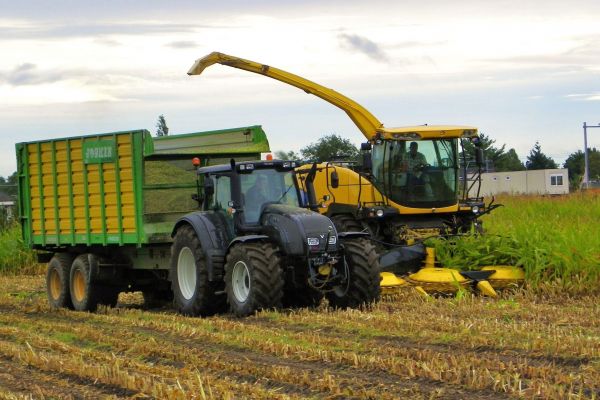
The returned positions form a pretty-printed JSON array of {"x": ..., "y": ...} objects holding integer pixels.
[
  {"x": 418, "y": 174},
  {"x": 267, "y": 186}
]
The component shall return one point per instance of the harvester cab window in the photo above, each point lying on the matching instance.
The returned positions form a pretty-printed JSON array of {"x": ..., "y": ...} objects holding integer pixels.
[
  {"x": 267, "y": 186},
  {"x": 420, "y": 173}
]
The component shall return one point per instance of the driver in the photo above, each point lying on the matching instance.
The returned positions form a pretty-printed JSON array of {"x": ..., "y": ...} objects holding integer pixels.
[
  {"x": 257, "y": 195},
  {"x": 416, "y": 160}
]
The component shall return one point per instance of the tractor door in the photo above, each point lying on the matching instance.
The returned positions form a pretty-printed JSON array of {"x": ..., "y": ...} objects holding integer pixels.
[{"x": 218, "y": 202}]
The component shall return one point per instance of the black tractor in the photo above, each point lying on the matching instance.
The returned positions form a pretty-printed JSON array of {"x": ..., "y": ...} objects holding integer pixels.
[{"x": 257, "y": 243}]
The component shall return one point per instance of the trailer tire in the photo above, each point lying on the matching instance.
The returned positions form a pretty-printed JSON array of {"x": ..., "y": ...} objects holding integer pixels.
[
  {"x": 253, "y": 278},
  {"x": 193, "y": 293},
  {"x": 85, "y": 294},
  {"x": 57, "y": 281},
  {"x": 362, "y": 288}
]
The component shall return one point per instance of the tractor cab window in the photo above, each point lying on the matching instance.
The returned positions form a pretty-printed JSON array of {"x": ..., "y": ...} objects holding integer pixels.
[
  {"x": 420, "y": 173},
  {"x": 222, "y": 195},
  {"x": 266, "y": 186}
]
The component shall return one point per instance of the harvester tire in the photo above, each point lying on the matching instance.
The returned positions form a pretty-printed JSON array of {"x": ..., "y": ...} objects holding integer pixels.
[
  {"x": 85, "y": 294},
  {"x": 253, "y": 278},
  {"x": 362, "y": 287},
  {"x": 57, "y": 281},
  {"x": 347, "y": 223},
  {"x": 193, "y": 293}
]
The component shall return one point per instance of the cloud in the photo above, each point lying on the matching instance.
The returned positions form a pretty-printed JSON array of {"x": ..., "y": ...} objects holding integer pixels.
[
  {"x": 363, "y": 45},
  {"x": 40, "y": 31},
  {"x": 584, "y": 96},
  {"x": 28, "y": 74},
  {"x": 182, "y": 44}
]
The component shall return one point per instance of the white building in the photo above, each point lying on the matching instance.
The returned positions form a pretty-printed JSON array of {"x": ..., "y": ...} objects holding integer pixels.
[{"x": 539, "y": 181}]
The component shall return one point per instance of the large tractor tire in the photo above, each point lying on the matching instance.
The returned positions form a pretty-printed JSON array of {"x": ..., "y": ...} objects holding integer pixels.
[
  {"x": 193, "y": 293},
  {"x": 85, "y": 295},
  {"x": 362, "y": 287},
  {"x": 347, "y": 223},
  {"x": 253, "y": 278},
  {"x": 57, "y": 281}
]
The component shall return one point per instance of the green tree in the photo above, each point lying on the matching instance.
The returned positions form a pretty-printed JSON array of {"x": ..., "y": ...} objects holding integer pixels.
[
  {"x": 575, "y": 163},
  {"x": 329, "y": 148},
  {"x": 287, "y": 155},
  {"x": 161, "y": 125},
  {"x": 509, "y": 161},
  {"x": 538, "y": 160}
]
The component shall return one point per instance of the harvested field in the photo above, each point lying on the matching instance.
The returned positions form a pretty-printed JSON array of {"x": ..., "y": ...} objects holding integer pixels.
[{"x": 406, "y": 347}]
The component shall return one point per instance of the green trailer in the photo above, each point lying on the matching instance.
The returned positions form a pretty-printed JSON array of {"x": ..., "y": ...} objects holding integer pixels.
[{"x": 101, "y": 208}]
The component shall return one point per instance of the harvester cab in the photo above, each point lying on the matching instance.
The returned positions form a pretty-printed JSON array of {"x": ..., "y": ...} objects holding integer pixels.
[{"x": 264, "y": 247}]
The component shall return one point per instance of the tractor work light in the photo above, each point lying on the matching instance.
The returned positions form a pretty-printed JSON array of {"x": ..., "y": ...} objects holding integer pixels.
[
  {"x": 379, "y": 213},
  {"x": 475, "y": 209},
  {"x": 313, "y": 241},
  {"x": 332, "y": 240}
]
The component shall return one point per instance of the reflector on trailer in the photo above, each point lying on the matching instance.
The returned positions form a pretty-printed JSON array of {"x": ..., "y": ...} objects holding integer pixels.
[{"x": 196, "y": 161}]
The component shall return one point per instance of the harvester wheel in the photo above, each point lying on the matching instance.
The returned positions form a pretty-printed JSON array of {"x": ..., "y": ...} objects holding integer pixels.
[
  {"x": 57, "y": 281},
  {"x": 347, "y": 223},
  {"x": 85, "y": 295},
  {"x": 253, "y": 278},
  {"x": 193, "y": 293},
  {"x": 362, "y": 287}
]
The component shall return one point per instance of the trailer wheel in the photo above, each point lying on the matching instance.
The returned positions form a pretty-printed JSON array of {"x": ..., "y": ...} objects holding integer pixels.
[
  {"x": 193, "y": 293},
  {"x": 362, "y": 287},
  {"x": 253, "y": 278},
  {"x": 57, "y": 281},
  {"x": 85, "y": 296}
]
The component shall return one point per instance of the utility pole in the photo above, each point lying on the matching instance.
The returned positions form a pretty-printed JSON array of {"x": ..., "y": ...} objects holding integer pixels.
[{"x": 586, "y": 171}]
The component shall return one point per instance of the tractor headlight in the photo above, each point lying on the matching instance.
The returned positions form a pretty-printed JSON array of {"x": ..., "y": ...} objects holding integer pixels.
[
  {"x": 313, "y": 241},
  {"x": 332, "y": 240},
  {"x": 379, "y": 213},
  {"x": 475, "y": 209}
]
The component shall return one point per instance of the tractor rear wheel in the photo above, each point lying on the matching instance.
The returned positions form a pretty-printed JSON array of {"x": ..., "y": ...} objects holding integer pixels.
[
  {"x": 362, "y": 287},
  {"x": 253, "y": 278},
  {"x": 193, "y": 293},
  {"x": 57, "y": 281}
]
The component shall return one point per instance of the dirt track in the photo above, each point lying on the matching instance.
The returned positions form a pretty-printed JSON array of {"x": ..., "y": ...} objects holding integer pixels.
[{"x": 404, "y": 348}]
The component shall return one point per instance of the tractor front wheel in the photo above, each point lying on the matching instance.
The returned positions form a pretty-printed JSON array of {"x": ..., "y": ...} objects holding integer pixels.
[
  {"x": 361, "y": 264},
  {"x": 253, "y": 278}
]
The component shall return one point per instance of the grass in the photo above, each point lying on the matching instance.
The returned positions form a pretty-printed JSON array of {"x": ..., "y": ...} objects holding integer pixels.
[
  {"x": 555, "y": 239},
  {"x": 14, "y": 255}
]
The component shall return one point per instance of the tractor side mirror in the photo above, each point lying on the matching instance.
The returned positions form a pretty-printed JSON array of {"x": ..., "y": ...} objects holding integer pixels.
[
  {"x": 209, "y": 186},
  {"x": 335, "y": 180},
  {"x": 479, "y": 156}
]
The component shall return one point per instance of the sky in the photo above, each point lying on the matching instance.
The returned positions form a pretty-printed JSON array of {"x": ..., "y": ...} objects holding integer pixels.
[{"x": 520, "y": 71}]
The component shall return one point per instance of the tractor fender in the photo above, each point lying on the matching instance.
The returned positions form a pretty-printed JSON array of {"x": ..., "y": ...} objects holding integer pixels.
[
  {"x": 246, "y": 239},
  {"x": 213, "y": 238}
]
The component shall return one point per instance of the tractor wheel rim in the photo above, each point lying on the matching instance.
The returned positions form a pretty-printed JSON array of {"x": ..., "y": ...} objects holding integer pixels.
[
  {"x": 186, "y": 273},
  {"x": 240, "y": 281},
  {"x": 78, "y": 285},
  {"x": 55, "y": 285}
]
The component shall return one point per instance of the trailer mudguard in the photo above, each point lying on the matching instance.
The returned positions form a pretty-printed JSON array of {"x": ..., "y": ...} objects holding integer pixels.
[{"x": 214, "y": 236}]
